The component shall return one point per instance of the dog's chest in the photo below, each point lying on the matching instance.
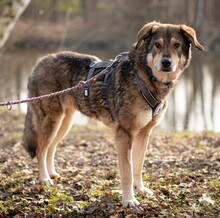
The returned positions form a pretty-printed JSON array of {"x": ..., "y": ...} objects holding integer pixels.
[{"x": 143, "y": 118}]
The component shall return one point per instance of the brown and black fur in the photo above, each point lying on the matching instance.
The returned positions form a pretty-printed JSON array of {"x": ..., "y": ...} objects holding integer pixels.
[{"x": 165, "y": 48}]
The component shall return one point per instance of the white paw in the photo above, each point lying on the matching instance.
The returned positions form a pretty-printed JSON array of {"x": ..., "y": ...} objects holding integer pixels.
[
  {"x": 145, "y": 191},
  {"x": 54, "y": 175},
  {"x": 45, "y": 182},
  {"x": 130, "y": 202}
]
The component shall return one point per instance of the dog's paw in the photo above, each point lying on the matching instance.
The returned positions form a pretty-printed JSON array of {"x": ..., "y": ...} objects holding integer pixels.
[
  {"x": 54, "y": 175},
  {"x": 45, "y": 182},
  {"x": 130, "y": 202},
  {"x": 145, "y": 191}
]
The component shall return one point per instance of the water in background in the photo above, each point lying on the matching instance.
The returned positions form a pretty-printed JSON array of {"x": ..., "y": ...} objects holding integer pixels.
[{"x": 194, "y": 105}]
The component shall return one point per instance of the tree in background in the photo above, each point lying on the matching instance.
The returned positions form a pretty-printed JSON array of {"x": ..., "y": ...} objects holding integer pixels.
[{"x": 12, "y": 9}]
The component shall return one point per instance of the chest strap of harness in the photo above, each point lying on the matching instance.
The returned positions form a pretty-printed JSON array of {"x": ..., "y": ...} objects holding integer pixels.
[{"x": 155, "y": 104}]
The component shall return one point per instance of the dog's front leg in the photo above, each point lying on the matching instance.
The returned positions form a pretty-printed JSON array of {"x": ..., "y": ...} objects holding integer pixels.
[
  {"x": 139, "y": 149},
  {"x": 141, "y": 141},
  {"x": 124, "y": 146}
]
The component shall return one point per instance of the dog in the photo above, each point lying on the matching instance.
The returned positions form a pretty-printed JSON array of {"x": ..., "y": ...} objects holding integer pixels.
[{"x": 134, "y": 104}]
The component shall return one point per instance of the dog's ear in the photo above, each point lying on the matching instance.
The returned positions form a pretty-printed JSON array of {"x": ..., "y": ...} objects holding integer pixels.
[
  {"x": 191, "y": 35},
  {"x": 145, "y": 31}
]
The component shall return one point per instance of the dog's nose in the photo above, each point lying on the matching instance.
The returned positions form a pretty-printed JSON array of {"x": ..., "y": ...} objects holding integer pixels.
[{"x": 166, "y": 62}]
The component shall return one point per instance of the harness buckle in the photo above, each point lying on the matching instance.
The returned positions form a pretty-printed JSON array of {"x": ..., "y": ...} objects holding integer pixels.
[{"x": 86, "y": 92}]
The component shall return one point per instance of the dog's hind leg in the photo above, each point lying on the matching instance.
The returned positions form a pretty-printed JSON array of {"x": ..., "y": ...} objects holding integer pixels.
[
  {"x": 138, "y": 154},
  {"x": 48, "y": 129},
  {"x": 62, "y": 132}
]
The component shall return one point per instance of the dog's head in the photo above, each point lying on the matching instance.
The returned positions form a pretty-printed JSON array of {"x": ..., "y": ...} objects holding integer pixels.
[{"x": 166, "y": 48}]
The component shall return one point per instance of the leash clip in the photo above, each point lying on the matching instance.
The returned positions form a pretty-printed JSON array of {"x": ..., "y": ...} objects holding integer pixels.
[
  {"x": 9, "y": 105},
  {"x": 118, "y": 57}
]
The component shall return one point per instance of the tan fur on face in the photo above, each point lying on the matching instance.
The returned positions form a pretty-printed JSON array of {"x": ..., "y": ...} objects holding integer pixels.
[{"x": 154, "y": 60}]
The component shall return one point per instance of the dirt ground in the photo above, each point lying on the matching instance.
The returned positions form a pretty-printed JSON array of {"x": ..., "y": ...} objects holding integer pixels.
[{"x": 182, "y": 169}]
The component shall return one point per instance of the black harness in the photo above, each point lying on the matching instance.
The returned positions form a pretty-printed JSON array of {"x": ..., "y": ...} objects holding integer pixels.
[{"x": 97, "y": 66}]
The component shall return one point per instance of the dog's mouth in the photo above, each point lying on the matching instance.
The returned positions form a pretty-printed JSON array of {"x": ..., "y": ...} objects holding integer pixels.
[{"x": 166, "y": 69}]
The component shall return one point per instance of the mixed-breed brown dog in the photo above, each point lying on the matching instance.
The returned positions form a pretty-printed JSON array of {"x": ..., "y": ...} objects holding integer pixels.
[{"x": 135, "y": 89}]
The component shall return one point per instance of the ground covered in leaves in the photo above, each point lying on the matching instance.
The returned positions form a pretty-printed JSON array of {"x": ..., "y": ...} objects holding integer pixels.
[{"x": 182, "y": 169}]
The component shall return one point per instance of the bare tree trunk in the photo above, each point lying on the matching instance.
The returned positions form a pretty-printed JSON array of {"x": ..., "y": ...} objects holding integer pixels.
[
  {"x": 200, "y": 14},
  {"x": 191, "y": 8},
  {"x": 189, "y": 99},
  {"x": 10, "y": 14}
]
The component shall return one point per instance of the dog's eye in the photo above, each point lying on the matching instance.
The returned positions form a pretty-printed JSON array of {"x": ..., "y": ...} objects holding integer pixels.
[
  {"x": 176, "y": 45},
  {"x": 158, "y": 45}
]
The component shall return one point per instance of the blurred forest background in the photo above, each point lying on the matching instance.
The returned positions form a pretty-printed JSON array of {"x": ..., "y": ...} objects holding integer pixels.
[{"x": 108, "y": 27}]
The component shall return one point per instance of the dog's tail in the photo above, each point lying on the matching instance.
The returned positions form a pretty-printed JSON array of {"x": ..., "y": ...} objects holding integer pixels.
[{"x": 29, "y": 140}]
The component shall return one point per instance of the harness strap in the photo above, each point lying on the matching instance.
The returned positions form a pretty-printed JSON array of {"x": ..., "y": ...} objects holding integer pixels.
[
  {"x": 120, "y": 58},
  {"x": 148, "y": 96},
  {"x": 96, "y": 67},
  {"x": 105, "y": 94}
]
